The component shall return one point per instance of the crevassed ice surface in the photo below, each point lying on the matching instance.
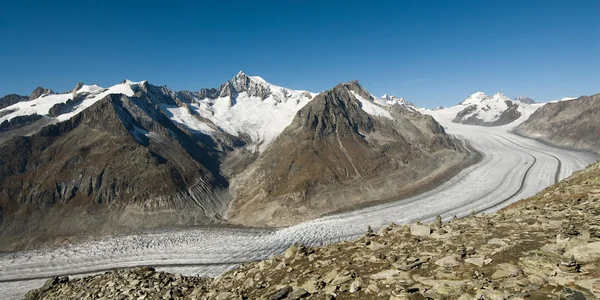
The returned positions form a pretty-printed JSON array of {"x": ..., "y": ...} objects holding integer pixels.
[{"x": 512, "y": 168}]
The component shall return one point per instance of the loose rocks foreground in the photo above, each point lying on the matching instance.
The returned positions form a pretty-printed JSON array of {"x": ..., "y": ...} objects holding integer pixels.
[{"x": 545, "y": 247}]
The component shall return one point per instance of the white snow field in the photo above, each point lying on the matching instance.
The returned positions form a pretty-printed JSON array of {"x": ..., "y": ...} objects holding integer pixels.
[{"x": 512, "y": 168}]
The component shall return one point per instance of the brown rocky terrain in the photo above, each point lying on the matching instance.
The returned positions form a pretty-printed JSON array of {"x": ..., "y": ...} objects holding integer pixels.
[
  {"x": 336, "y": 156},
  {"x": 572, "y": 123},
  {"x": 543, "y": 247}
]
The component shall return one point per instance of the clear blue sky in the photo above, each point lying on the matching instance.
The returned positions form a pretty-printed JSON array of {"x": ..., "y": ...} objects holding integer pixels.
[{"x": 430, "y": 52}]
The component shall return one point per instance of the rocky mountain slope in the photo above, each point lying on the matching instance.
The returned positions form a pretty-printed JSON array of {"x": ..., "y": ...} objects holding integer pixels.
[
  {"x": 342, "y": 150},
  {"x": 543, "y": 247},
  {"x": 104, "y": 160},
  {"x": 569, "y": 123},
  {"x": 481, "y": 109},
  {"x": 104, "y": 170}
]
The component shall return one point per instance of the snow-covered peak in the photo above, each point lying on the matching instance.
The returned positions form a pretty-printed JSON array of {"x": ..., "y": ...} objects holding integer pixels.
[
  {"x": 244, "y": 106},
  {"x": 130, "y": 82},
  {"x": 242, "y": 83},
  {"x": 91, "y": 89},
  {"x": 524, "y": 99},
  {"x": 481, "y": 97},
  {"x": 393, "y": 100},
  {"x": 500, "y": 97},
  {"x": 475, "y": 98}
]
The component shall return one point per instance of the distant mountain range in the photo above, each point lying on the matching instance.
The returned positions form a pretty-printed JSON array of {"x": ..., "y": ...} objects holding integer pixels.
[{"x": 496, "y": 110}]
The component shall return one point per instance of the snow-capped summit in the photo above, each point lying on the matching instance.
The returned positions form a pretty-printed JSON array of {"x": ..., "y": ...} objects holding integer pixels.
[
  {"x": 480, "y": 97},
  {"x": 524, "y": 99},
  {"x": 393, "y": 100},
  {"x": 244, "y": 106},
  {"x": 500, "y": 97},
  {"x": 499, "y": 109},
  {"x": 475, "y": 98},
  {"x": 243, "y": 83}
]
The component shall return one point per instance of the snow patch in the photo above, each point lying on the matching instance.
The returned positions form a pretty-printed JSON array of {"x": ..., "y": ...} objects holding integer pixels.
[
  {"x": 183, "y": 116},
  {"x": 372, "y": 108}
]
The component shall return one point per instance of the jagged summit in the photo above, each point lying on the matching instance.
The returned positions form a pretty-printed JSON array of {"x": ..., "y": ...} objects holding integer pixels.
[
  {"x": 355, "y": 87},
  {"x": 40, "y": 91},
  {"x": 243, "y": 83}
]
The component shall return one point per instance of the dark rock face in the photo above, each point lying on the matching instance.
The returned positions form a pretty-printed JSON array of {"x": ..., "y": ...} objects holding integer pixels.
[
  {"x": 121, "y": 156},
  {"x": 572, "y": 123},
  {"x": 11, "y": 99},
  {"x": 333, "y": 156},
  {"x": 39, "y": 91},
  {"x": 506, "y": 117},
  {"x": 18, "y": 122},
  {"x": 59, "y": 109}
]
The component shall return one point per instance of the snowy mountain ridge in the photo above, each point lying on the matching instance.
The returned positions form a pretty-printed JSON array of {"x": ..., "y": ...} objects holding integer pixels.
[
  {"x": 244, "y": 106},
  {"x": 524, "y": 99},
  {"x": 480, "y": 97},
  {"x": 482, "y": 109}
]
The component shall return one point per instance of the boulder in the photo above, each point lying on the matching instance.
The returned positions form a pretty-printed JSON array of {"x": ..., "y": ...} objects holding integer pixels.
[
  {"x": 298, "y": 293},
  {"x": 420, "y": 230},
  {"x": 447, "y": 262},
  {"x": 585, "y": 253},
  {"x": 506, "y": 270},
  {"x": 281, "y": 293},
  {"x": 385, "y": 274}
]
